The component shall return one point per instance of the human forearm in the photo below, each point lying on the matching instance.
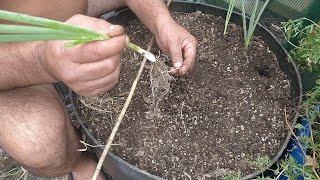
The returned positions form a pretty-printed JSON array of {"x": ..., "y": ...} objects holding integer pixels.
[
  {"x": 172, "y": 38},
  {"x": 153, "y": 13},
  {"x": 20, "y": 65}
]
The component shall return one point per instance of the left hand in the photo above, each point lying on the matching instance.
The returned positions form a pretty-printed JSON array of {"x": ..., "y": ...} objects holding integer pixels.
[{"x": 179, "y": 44}]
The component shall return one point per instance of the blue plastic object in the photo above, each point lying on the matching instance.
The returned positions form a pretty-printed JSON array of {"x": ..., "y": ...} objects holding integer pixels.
[{"x": 294, "y": 149}]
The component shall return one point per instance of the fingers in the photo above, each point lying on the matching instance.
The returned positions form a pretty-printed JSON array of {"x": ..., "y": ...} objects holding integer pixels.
[
  {"x": 91, "y": 68},
  {"x": 181, "y": 46},
  {"x": 96, "y": 51},
  {"x": 114, "y": 30},
  {"x": 98, "y": 86},
  {"x": 100, "y": 91},
  {"x": 96, "y": 24},
  {"x": 99, "y": 69},
  {"x": 189, "y": 54},
  {"x": 176, "y": 53},
  {"x": 189, "y": 49}
]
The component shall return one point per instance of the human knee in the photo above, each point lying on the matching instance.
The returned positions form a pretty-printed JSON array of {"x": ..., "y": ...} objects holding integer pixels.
[
  {"x": 38, "y": 133},
  {"x": 47, "y": 164},
  {"x": 47, "y": 155}
]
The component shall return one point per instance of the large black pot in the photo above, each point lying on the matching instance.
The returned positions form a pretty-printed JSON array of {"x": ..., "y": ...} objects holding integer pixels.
[{"x": 121, "y": 170}]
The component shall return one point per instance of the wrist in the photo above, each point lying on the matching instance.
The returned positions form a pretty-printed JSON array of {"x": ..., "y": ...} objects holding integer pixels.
[
  {"x": 154, "y": 14},
  {"x": 44, "y": 70},
  {"x": 162, "y": 23}
]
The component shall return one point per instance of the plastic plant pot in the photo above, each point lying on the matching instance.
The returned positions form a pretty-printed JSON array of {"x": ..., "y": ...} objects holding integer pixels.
[{"x": 122, "y": 170}]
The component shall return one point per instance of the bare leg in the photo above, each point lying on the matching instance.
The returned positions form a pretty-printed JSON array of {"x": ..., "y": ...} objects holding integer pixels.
[
  {"x": 52, "y": 9},
  {"x": 36, "y": 131},
  {"x": 61, "y": 10},
  {"x": 99, "y": 7}
]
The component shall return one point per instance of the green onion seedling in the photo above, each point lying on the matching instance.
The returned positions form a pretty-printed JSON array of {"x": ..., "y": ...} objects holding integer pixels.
[
  {"x": 254, "y": 19},
  {"x": 230, "y": 10},
  {"x": 45, "y": 29}
]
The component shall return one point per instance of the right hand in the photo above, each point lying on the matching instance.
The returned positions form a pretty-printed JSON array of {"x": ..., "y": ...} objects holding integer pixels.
[{"x": 88, "y": 69}]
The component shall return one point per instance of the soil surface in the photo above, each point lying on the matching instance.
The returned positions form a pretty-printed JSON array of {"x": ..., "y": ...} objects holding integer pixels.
[
  {"x": 228, "y": 110},
  {"x": 6, "y": 163}
]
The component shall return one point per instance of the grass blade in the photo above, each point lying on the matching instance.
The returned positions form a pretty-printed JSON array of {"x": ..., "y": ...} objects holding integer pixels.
[
  {"x": 244, "y": 22},
  {"x": 229, "y": 13},
  {"x": 251, "y": 24},
  {"x": 19, "y": 29},
  {"x": 254, "y": 19},
  {"x": 24, "y": 38},
  {"x": 11, "y": 16},
  {"x": 250, "y": 33},
  {"x": 260, "y": 13}
]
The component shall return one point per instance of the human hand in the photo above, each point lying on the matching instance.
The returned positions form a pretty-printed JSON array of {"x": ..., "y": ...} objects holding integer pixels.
[
  {"x": 179, "y": 44},
  {"x": 88, "y": 69}
]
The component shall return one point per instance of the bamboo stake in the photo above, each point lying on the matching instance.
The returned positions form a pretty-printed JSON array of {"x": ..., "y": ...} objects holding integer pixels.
[{"x": 121, "y": 115}]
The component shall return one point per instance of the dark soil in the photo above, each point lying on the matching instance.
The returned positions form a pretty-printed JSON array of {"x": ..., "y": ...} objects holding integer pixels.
[
  {"x": 11, "y": 170},
  {"x": 6, "y": 163},
  {"x": 228, "y": 110}
]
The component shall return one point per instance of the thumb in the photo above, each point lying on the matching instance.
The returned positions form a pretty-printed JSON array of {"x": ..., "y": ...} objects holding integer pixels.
[
  {"x": 176, "y": 54},
  {"x": 114, "y": 30}
]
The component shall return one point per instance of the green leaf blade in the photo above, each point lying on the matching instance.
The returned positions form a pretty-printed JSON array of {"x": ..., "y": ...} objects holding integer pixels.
[
  {"x": 229, "y": 13},
  {"x": 22, "y": 18},
  {"x": 244, "y": 21},
  {"x": 251, "y": 24},
  {"x": 33, "y": 30},
  {"x": 260, "y": 13},
  {"x": 25, "y": 38}
]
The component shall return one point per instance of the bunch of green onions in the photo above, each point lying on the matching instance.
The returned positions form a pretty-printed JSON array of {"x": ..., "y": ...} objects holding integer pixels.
[{"x": 44, "y": 29}]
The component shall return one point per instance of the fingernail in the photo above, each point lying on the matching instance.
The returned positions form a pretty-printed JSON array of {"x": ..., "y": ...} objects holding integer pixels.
[
  {"x": 113, "y": 27},
  {"x": 127, "y": 40},
  {"x": 177, "y": 65}
]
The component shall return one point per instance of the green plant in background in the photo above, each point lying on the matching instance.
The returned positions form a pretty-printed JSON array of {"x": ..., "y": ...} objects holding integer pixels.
[
  {"x": 45, "y": 29},
  {"x": 307, "y": 53},
  {"x": 289, "y": 168},
  {"x": 233, "y": 176},
  {"x": 261, "y": 163},
  {"x": 253, "y": 22},
  {"x": 311, "y": 109}
]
